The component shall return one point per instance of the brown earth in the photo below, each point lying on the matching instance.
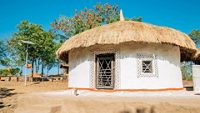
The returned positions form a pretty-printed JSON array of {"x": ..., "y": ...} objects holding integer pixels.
[
  {"x": 13, "y": 90},
  {"x": 47, "y": 103},
  {"x": 34, "y": 99}
]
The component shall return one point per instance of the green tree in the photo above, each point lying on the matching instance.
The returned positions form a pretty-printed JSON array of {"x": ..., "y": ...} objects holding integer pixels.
[
  {"x": 186, "y": 69},
  {"x": 88, "y": 19},
  {"x": 14, "y": 71},
  {"x": 195, "y": 35},
  {"x": 26, "y": 32},
  {"x": 39, "y": 52},
  {"x": 6, "y": 60},
  {"x": 3, "y": 50},
  {"x": 9, "y": 71},
  {"x": 47, "y": 54},
  {"x": 137, "y": 19}
]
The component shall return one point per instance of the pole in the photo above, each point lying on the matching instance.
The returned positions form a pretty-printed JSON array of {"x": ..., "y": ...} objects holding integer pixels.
[
  {"x": 26, "y": 42},
  {"x": 25, "y": 79}
]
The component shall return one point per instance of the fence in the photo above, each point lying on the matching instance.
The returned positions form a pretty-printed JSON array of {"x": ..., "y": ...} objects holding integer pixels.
[{"x": 29, "y": 79}]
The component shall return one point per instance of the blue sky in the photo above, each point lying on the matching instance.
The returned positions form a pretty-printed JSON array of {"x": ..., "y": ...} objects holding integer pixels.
[{"x": 183, "y": 15}]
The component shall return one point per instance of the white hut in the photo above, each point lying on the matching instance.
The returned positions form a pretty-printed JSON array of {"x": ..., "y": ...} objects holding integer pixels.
[{"x": 127, "y": 56}]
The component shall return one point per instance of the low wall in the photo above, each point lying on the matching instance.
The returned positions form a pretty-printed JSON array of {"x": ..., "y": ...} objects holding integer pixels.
[
  {"x": 11, "y": 78},
  {"x": 196, "y": 77},
  {"x": 21, "y": 79}
]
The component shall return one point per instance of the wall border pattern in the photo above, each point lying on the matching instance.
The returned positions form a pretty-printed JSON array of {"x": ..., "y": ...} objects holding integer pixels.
[
  {"x": 117, "y": 66},
  {"x": 140, "y": 58}
]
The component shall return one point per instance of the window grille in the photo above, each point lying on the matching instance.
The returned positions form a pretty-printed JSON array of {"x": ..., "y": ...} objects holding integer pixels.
[
  {"x": 105, "y": 71},
  {"x": 147, "y": 65}
]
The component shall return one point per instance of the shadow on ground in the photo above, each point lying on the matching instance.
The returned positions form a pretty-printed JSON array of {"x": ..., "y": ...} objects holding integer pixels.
[
  {"x": 5, "y": 92},
  {"x": 141, "y": 110}
]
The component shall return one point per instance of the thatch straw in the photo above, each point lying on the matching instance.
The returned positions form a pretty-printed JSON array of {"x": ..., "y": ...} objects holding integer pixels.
[
  {"x": 196, "y": 57},
  {"x": 128, "y": 31}
]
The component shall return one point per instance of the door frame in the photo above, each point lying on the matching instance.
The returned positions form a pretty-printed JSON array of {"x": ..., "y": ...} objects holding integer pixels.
[{"x": 113, "y": 64}]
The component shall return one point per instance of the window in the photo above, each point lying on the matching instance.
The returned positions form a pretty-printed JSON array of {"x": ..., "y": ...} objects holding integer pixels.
[{"x": 147, "y": 66}]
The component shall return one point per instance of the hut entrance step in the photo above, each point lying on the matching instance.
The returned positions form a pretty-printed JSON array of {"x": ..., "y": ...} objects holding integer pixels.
[{"x": 105, "y": 64}]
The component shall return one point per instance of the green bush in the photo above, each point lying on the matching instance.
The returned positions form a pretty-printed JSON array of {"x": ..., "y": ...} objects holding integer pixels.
[
  {"x": 186, "y": 69},
  {"x": 9, "y": 72}
]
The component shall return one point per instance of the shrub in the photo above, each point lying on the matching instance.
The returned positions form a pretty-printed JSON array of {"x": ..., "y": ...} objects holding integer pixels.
[
  {"x": 186, "y": 69},
  {"x": 9, "y": 72}
]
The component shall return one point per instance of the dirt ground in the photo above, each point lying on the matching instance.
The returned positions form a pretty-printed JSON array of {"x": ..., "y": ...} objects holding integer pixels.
[
  {"x": 51, "y": 97},
  {"x": 10, "y": 91}
]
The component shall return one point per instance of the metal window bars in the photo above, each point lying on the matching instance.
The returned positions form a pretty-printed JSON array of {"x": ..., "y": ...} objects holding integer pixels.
[
  {"x": 105, "y": 71},
  {"x": 147, "y": 66}
]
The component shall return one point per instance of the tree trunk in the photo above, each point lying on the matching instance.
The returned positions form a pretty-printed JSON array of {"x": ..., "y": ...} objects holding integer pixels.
[
  {"x": 47, "y": 70},
  {"x": 21, "y": 70},
  {"x": 32, "y": 69},
  {"x": 36, "y": 66},
  {"x": 58, "y": 67},
  {"x": 42, "y": 73}
]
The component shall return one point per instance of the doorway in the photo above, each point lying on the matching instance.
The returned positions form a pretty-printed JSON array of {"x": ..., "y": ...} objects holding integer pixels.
[{"x": 105, "y": 71}]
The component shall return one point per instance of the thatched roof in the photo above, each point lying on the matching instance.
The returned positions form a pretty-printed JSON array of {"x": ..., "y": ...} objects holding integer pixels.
[
  {"x": 129, "y": 31},
  {"x": 64, "y": 65},
  {"x": 196, "y": 57}
]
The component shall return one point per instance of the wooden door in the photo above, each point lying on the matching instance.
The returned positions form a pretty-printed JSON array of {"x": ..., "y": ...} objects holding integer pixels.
[{"x": 105, "y": 64}]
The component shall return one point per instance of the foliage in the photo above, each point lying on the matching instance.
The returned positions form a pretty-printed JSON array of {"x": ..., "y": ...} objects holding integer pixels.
[
  {"x": 6, "y": 61},
  {"x": 2, "y": 52},
  {"x": 195, "y": 35},
  {"x": 42, "y": 52},
  {"x": 48, "y": 51},
  {"x": 9, "y": 72},
  {"x": 88, "y": 19},
  {"x": 137, "y": 19},
  {"x": 186, "y": 69},
  {"x": 26, "y": 32}
]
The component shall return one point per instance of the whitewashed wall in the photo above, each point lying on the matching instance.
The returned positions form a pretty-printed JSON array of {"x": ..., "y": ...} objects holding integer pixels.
[
  {"x": 168, "y": 67},
  {"x": 81, "y": 66},
  {"x": 196, "y": 77},
  {"x": 79, "y": 69}
]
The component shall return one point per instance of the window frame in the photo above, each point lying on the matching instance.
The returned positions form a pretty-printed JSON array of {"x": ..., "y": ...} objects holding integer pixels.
[
  {"x": 147, "y": 65},
  {"x": 147, "y": 57}
]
